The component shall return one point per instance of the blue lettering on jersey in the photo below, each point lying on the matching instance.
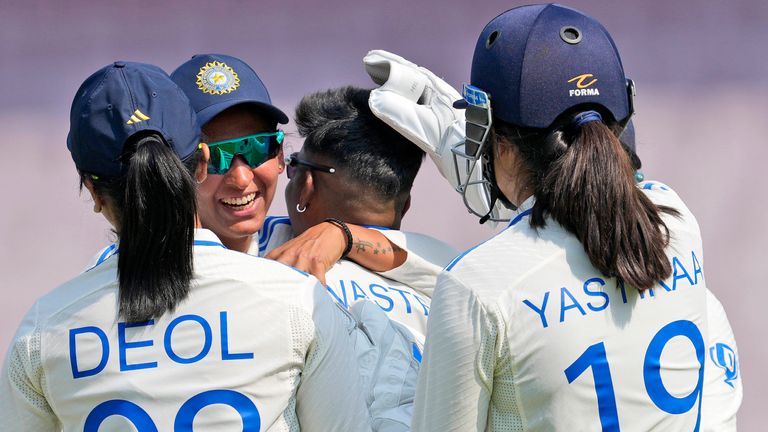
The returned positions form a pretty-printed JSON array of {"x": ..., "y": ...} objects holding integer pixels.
[
  {"x": 574, "y": 304},
  {"x": 382, "y": 295},
  {"x": 207, "y": 339},
  {"x": 679, "y": 272},
  {"x": 601, "y": 294},
  {"x": 85, "y": 337},
  {"x": 225, "y": 354},
  {"x": 422, "y": 303},
  {"x": 540, "y": 310},
  {"x": 650, "y": 291},
  {"x": 597, "y": 298},
  {"x": 378, "y": 295},
  {"x": 724, "y": 357},
  {"x": 357, "y": 291},
  {"x": 76, "y": 372},
  {"x": 405, "y": 299},
  {"x": 123, "y": 346},
  {"x": 623, "y": 292},
  {"x": 340, "y": 300},
  {"x": 696, "y": 269}
]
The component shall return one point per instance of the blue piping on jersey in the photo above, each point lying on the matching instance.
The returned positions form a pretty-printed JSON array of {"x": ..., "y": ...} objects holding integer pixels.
[
  {"x": 416, "y": 352},
  {"x": 514, "y": 222},
  {"x": 650, "y": 185},
  {"x": 208, "y": 243},
  {"x": 377, "y": 227},
  {"x": 106, "y": 254},
  {"x": 269, "y": 226},
  {"x": 290, "y": 267},
  {"x": 518, "y": 218},
  {"x": 113, "y": 247}
]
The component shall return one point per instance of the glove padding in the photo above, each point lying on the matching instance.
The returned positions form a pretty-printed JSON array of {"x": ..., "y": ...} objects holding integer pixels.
[
  {"x": 419, "y": 105},
  {"x": 388, "y": 367}
]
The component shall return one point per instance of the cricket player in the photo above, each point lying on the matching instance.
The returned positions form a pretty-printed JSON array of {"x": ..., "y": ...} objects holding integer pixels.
[
  {"x": 239, "y": 124},
  {"x": 172, "y": 331},
  {"x": 354, "y": 168},
  {"x": 498, "y": 311},
  {"x": 239, "y": 121},
  {"x": 722, "y": 380}
]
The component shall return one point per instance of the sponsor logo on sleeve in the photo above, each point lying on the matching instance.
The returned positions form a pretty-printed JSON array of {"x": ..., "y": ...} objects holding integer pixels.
[{"x": 724, "y": 357}]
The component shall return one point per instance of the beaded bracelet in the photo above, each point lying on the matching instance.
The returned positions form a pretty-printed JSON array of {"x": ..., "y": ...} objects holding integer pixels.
[{"x": 347, "y": 233}]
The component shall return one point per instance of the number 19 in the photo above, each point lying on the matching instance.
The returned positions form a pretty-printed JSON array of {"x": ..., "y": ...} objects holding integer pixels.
[{"x": 596, "y": 358}]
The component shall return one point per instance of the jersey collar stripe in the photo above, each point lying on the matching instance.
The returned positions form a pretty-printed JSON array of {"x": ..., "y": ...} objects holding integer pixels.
[
  {"x": 208, "y": 243},
  {"x": 519, "y": 217},
  {"x": 112, "y": 250},
  {"x": 106, "y": 254},
  {"x": 271, "y": 229},
  {"x": 514, "y": 222}
]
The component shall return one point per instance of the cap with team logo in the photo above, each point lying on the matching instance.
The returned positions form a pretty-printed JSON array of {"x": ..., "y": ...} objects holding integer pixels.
[
  {"x": 537, "y": 62},
  {"x": 118, "y": 101},
  {"x": 215, "y": 82}
]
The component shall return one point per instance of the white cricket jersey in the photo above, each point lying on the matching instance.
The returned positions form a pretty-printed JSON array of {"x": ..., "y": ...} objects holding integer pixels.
[
  {"x": 404, "y": 293},
  {"x": 525, "y": 334},
  {"x": 257, "y": 346}
]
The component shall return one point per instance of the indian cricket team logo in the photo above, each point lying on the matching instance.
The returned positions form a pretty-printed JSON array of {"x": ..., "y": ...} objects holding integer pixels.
[
  {"x": 584, "y": 83},
  {"x": 217, "y": 78},
  {"x": 724, "y": 357}
]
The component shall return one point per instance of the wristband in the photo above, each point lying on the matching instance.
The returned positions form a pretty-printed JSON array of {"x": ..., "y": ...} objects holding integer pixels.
[{"x": 347, "y": 233}]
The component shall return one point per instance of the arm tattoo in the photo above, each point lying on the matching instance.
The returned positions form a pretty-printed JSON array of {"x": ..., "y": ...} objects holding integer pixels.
[{"x": 362, "y": 246}]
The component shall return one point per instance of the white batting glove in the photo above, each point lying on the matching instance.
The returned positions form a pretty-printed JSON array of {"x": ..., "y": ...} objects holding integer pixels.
[{"x": 419, "y": 105}]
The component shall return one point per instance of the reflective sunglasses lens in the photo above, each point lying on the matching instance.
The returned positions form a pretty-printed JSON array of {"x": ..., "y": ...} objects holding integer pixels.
[
  {"x": 255, "y": 150},
  {"x": 219, "y": 162}
]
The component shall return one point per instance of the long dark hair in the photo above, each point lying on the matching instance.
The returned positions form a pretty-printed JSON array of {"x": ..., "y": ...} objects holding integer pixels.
[
  {"x": 155, "y": 207},
  {"x": 584, "y": 179}
]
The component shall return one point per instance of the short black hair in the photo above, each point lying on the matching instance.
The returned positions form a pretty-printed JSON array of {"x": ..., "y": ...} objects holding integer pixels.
[{"x": 339, "y": 125}]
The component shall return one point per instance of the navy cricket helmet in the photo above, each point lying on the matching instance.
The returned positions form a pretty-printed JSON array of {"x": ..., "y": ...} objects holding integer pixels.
[{"x": 537, "y": 62}]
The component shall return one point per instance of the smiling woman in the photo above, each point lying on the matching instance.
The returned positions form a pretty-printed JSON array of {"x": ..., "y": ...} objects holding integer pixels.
[
  {"x": 169, "y": 303},
  {"x": 233, "y": 204},
  {"x": 240, "y": 123}
]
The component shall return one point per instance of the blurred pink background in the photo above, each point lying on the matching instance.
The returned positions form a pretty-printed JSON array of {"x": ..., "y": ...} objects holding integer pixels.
[{"x": 702, "y": 117}]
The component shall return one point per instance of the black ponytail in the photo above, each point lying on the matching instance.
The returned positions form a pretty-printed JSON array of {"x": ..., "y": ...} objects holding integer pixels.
[
  {"x": 584, "y": 179},
  {"x": 155, "y": 207}
]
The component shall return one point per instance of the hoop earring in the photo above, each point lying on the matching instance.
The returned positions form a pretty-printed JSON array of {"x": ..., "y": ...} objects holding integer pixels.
[{"x": 301, "y": 209}]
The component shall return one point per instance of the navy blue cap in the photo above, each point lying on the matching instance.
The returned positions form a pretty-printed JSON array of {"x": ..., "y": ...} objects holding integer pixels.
[
  {"x": 215, "y": 82},
  {"x": 539, "y": 61},
  {"x": 118, "y": 101}
]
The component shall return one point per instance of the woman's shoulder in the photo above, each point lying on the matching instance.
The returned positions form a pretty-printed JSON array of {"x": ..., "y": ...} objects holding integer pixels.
[{"x": 664, "y": 195}]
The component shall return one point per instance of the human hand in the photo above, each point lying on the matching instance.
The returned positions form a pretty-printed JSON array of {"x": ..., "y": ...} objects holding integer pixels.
[
  {"x": 419, "y": 105},
  {"x": 314, "y": 251}
]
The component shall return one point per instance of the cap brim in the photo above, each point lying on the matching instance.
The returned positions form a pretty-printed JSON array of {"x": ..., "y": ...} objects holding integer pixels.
[{"x": 206, "y": 114}]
